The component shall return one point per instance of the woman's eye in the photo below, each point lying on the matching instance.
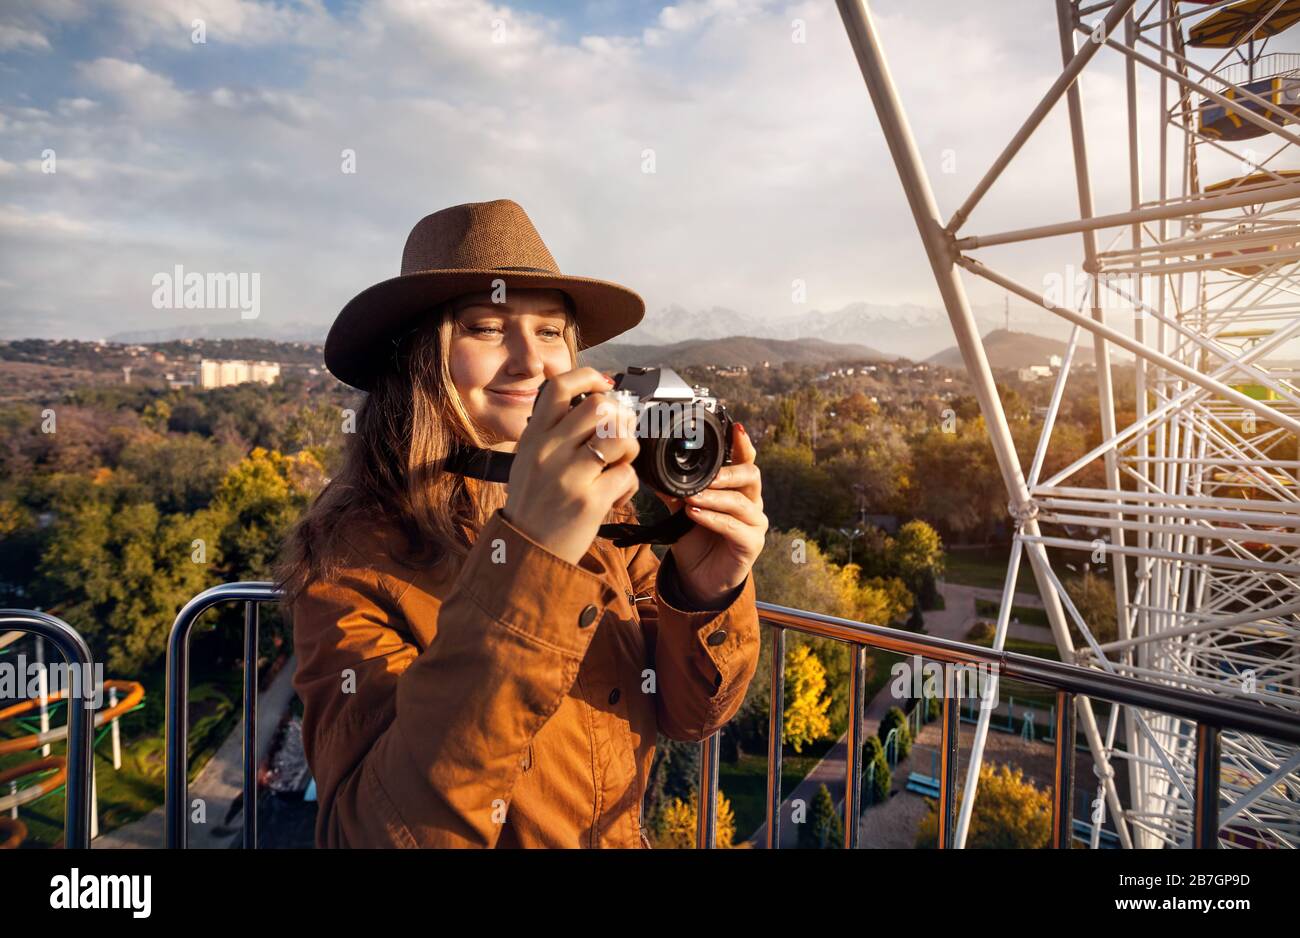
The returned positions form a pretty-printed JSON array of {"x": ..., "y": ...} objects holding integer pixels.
[{"x": 497, "y": 330}]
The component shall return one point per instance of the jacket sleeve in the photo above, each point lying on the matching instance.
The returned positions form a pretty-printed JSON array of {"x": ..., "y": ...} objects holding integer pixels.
[
  {"x": 703, "y": 659},
  {"x": 414, "y": 748}
]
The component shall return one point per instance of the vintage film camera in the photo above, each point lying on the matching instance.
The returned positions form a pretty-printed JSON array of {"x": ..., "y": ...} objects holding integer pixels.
[{"x": 685, "y": 434}]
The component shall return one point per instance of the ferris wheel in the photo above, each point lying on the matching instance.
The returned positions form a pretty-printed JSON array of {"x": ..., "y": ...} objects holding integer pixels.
[{"x": 1196, "y": 502}]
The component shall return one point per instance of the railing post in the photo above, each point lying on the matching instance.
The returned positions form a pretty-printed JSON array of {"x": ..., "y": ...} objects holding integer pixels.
[
  {"x": 250, "y": 724},
  {"x": 1063, "y": 791},
  {"x": 857, "y": 703},
  {"x": 775, "y": 731},
  {"x": 706, "y": 814},
  {"x": 175, "y": 815},
  {"x": 68, "y": 642},
  {"x": 175, "y": 834},
  {"x": 948, "y": 752},
  {"x": 1205, "y": 825}
]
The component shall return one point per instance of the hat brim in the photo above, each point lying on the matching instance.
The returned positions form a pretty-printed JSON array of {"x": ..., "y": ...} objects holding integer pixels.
[{"x": 359, "y": 346}]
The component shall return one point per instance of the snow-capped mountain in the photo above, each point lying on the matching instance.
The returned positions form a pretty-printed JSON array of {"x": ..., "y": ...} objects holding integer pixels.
[{"x": 906, "y": 330}]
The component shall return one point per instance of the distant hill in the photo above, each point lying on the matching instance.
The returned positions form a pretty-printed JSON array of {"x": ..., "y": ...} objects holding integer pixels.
[
  {"x": 1012, "y": 350},
  {"x": 733, "y": 350},
  {"x": 903, "y": 330},
  {"x": 239, "y": 329}
]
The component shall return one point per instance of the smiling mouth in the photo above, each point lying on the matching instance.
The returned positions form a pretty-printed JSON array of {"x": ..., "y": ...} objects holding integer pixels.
[{"x": 516, "y": 397}]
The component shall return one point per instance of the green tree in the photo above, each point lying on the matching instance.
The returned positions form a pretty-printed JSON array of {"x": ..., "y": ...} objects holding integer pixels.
[
  {"x": 958, "y": 485},
  {"x": 1094, "y": 596},
  {"x": 119, "y": 573},
  {"x": 895, "y": 719},
  {"x": 915, "y": 555},
  {"x": 797, "y": 493},
  {"x": 867, "y": 460},
  {"x": 875, "y": 784},
  {"x": 824, "y": 829},
  {"x": 179, "y": 472},
  {"x": 787, "y": 429}
]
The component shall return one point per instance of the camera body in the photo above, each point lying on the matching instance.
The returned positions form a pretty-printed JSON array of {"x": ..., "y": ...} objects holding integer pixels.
[{"x": 685, "y": 433}]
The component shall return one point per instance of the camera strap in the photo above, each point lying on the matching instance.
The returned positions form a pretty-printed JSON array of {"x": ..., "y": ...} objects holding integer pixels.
[{"x": 494, "y": 466}]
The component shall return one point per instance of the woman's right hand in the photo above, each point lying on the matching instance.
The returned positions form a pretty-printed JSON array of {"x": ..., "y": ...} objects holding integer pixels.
[{"x": 559, "y": 492}]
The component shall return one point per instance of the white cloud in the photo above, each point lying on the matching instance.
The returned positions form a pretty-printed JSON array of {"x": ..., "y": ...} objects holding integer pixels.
[
  {"x": 149, "y": 95},
  {"x": 20, "y": 221},
  {"x": 71, "y": 106},
  {"x": 15, "y": 37},
  {"x": 770, "y": 162},
  {"x": 243, "y": 23}
]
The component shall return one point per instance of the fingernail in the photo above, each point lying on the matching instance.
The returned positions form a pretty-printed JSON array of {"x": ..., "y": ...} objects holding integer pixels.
[
  {"x": 741, "y": 427},
  {"x": 694, "y": 509},
  {"x": 609, "y": 380}
]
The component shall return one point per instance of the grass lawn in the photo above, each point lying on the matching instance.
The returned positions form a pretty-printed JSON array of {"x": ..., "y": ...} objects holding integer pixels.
[
  {"x": 745, "y": 782},
  {"x": 1026, "y": 614},
  {"x": 985, "y": 566}
]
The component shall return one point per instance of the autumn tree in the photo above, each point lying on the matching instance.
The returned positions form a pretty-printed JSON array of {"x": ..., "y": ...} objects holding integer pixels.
[
  {"x": 805, "y": 719},
  {"x": 675, "y": 827},
  {"x": 1010, "y": 812},
  {"x": 262, "y": 496}
]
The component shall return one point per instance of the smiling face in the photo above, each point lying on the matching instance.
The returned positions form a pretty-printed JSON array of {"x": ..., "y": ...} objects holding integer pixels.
[{"x": 500, "y": 353}]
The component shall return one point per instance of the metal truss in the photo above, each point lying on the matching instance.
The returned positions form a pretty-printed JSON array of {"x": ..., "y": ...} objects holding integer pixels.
[{"x": 1193, "y": 501}]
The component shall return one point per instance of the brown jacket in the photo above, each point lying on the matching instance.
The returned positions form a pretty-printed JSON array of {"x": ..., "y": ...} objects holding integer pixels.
[{"x": 515, "y": 704}]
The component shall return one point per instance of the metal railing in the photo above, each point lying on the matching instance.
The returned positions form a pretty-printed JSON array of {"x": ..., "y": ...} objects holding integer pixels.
[
  {"x": 75, "y": 651},
  {"x": 1263, "y": 67},
  {"x": 1211, "y": 715},
  {"x": 178, "y": 662}
]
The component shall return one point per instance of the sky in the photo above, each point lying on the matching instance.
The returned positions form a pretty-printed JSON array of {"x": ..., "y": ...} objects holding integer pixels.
[{"x": 228, "y": 155}]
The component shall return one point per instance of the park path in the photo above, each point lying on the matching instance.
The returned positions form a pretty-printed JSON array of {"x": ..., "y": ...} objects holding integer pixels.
[
  {"x": 951, "y": 622},
  {"x": 218, "y": 783}
]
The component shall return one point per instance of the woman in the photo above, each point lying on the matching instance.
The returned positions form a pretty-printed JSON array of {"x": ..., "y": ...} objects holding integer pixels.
[{"x": 477, "y": 668}]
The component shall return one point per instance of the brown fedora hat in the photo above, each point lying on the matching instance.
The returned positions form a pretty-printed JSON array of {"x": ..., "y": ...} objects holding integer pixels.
[{"x": 465, "y": 249}]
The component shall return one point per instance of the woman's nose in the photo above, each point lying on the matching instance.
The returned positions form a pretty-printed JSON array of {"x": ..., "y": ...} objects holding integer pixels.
[{"x": 525, "y": 355}]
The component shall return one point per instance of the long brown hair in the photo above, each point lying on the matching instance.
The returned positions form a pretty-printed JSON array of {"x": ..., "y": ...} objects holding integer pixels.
[{"x": 406, "y": 426}]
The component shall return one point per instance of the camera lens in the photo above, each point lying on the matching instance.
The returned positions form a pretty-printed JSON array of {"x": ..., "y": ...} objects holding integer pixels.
[
  {"x": 684, "y": 451},
  {"x": 686, "y": 455}
]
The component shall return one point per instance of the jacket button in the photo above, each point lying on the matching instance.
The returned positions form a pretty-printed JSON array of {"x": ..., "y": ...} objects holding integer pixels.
[
  {"x": 613, "y": 696},
  {"x": 587, "y": 616},
  {"x": 717, "y": 638}
]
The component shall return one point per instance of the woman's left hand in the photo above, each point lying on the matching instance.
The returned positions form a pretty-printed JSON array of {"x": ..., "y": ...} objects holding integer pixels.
[{"x": 716, "y": 555}]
